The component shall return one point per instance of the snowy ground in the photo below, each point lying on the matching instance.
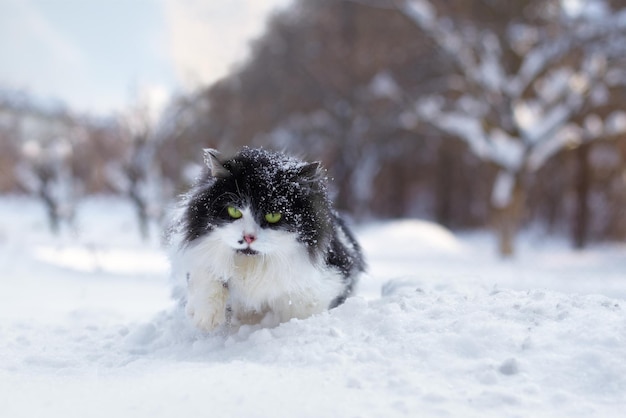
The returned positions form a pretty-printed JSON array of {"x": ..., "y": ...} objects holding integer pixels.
[{"x": 87, "y": 329}]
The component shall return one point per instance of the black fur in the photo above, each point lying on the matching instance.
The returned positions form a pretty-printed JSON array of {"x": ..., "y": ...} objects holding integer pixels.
[{"x": 272, "y": 182}]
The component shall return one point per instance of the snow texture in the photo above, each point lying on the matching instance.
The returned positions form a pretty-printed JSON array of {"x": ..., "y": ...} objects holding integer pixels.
[{"x": 440, "y": 328}]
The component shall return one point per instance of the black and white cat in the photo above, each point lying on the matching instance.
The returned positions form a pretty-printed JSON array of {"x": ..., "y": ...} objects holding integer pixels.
[{"x": 257, "y": 235}]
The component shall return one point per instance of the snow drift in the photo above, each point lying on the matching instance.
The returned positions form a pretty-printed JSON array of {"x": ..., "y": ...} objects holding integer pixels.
[{"x": 85, "y": 331}]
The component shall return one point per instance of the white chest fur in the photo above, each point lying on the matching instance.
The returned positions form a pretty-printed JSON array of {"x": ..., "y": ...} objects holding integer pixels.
[{"x": 283, "y": 280}]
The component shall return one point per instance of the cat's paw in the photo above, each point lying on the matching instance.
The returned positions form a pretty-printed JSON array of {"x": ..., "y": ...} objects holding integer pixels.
[
  {"x": 206, "y": 304},
  {"x": 207, "y": 317}
]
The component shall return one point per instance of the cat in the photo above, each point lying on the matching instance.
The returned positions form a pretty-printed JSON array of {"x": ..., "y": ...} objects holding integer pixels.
[{"x": 258, "y": 238}]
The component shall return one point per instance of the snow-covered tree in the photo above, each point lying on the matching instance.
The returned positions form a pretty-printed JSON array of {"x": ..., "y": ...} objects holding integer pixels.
[
  {"x": 524, "y": 88},
  {"x": 45, "y": 169},
  {"x": 138, "y": 175}
]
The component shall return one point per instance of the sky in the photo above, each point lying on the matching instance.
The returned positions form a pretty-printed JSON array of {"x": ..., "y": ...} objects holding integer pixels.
[{"x": 99, "y": 56}]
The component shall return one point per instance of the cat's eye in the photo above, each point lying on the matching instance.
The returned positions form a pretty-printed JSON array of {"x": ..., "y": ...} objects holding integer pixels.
[
  {"x": 234, "y": 213},
  {"x": 273, "y": 218}
]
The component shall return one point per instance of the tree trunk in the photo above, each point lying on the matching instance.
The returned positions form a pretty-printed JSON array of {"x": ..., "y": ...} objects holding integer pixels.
[
  {"x": 508, "y": 219},
  {"x": 583, "y": 180},
  {"x": 53, "y": 212},
  {"x": 444, "y": 189},
  {"x": 52, "y": 206},
  {"x": 343, "y": 181},
  {"x": 142, "y": 213}
]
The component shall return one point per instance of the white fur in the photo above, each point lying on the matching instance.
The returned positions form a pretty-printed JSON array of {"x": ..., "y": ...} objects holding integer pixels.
[{"x": 281, "y": 279}]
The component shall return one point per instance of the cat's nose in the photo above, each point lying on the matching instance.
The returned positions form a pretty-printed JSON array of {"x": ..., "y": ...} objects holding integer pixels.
[{"x": 249, "y": 238}]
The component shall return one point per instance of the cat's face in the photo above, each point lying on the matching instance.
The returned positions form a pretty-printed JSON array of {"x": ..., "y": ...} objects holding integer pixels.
[
  {"x": 250, "y": 232},
  {"x": 257, "y": 203}
]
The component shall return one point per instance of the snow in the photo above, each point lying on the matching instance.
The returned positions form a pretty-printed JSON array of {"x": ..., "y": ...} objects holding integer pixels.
[
  {"x": 502, "y": 191},
  {"x": 87, "y": 328},
  {"x": 420, "y": 11},
  {"x": 463, "y": 124},
  {"x": 384, "y": 86},
  {"x": 616, "y": 122},
  {"x": 505, "y": 150},
  {"x": 490, "y": 69}
]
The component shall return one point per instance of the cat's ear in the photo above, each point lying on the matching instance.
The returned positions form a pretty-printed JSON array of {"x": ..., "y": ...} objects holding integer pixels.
[
  {"x": 213, "y": 163},
  {"x": 310, "y": 171}
]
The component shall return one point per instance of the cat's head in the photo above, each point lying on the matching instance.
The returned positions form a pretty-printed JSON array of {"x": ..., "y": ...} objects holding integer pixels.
[{"x": 259, "y": 201}]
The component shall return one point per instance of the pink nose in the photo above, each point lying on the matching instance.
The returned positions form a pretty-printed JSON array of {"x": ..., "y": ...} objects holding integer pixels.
[{"x": 249, "y": 238}]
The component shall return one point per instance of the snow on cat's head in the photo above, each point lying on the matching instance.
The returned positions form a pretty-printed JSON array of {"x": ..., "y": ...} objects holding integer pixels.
[{"x": 258, "y": 201}]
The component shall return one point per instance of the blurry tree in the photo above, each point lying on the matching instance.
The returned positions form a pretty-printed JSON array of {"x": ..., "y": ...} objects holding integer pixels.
[
  {"x": 529, "y": 76},
  {"x": 183, "y": 130},
  {"x": 45, "y": 165},
  {"x": 97, "y": 146},
  {"x": 556, "y": 197},
  {"x": 9, "y": 148},
  {"x": 137, "y": 173},
  {"x": 53, "y": 154}
]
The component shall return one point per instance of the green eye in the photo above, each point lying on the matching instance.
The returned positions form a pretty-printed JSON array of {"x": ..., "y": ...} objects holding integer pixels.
[
  {"x": 234, "y": 213},
  {"x": 272, "y": 218}
]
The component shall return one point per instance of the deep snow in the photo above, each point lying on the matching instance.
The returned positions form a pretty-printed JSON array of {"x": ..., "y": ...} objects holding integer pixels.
[{"x": 87, "y": 328}]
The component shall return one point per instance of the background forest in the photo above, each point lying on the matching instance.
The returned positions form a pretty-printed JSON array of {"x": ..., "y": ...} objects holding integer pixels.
[{"x": 472, "y": 113}]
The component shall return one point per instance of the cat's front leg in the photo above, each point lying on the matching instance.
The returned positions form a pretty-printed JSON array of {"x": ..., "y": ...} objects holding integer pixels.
[{"x": 207, "y": 299}]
